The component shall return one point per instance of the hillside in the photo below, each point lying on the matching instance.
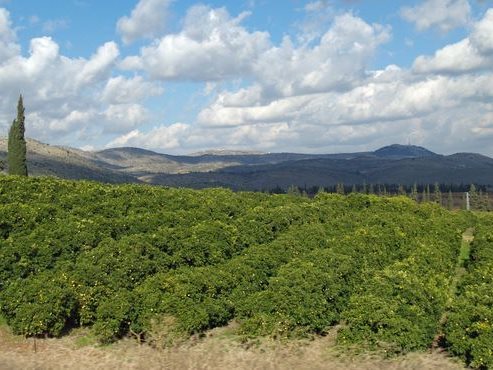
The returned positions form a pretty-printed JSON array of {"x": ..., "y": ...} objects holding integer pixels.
[
  {"x": 394, "y": 164},
  {"x": 67, "y": 163}
]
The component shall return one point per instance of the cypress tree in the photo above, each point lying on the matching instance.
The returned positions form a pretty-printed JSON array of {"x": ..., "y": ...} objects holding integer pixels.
[
  {"x": 340, "y": 188},
  {"x": 450, "y": 200},
  {"x": 437, "y": 194},
  {"x": 16, "y": 155},
  {"x": 401, "y": 190},
  {"x": 473, "y": 196},
  {"x": 414, "y": 192},
  {"x": 294, "y": 190}
]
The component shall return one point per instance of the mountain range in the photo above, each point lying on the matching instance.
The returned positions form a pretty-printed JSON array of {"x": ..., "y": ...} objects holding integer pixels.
[{"x": 393, "y": 164}]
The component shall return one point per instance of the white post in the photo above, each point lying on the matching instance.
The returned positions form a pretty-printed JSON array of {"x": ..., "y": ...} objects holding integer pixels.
[{"x": 468, "y": 203}]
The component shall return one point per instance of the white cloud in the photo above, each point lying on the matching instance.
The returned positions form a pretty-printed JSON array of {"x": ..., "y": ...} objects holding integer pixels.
[
  {"x": 311, "y": 94},
  {"x": 53, "y": 25},
  {"x": 100, "y": 64},
  {"x": 443, "y": 102},
  {"x": 469, "y": 54},
  {"x": 121, "y": 90},
  {"x": 211, "y": 46},
  {"x": 131, "y": 63},
  {"x": 69, "y": 99},
  {"x": 314, "y": 22},
  {"x": 337, "y": 62},
  {"x": 163, "y": 137},
  {"x": 214, "y": 46},
  {"x": 316, "y": 6},
  {"x": 445, "y": 15},
  {"x": 147, "y": 20},
  {"x": 482, "y": 35},
  {"x": 458, "y": 57},
  {"x": 69, "y": 123},
  {"x": 123, "y": 117},
  {"x": 277, "y": 111},
  {"x": 398, "y": 97},
  {"x": 179, "y": 135},
  {"x": 8, "y": 47},
  {"x": 287, "y": 75}
]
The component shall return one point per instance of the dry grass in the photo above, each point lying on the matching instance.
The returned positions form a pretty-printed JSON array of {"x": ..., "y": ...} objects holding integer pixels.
[{"x": 218, "y": 350}]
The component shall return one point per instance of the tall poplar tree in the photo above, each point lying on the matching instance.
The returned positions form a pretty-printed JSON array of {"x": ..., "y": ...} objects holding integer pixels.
[{"x": 16, "y": 156}]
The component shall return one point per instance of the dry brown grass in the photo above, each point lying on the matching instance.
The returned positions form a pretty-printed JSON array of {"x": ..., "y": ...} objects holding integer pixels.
[{"x": 218, "y": 350}]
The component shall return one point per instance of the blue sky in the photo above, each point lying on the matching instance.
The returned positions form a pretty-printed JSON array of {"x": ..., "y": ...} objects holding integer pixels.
[{"x": 278, "y": 75}]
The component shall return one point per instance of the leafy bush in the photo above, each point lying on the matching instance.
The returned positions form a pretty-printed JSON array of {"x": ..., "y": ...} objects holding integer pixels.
[
  {"x": 306, "y": 296},
  {"x": 40, "y": 305}
]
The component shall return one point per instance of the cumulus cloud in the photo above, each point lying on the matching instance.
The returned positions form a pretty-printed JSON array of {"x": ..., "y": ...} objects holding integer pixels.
[
  {"x": 215, "y": 46},
  {"x": 100, "y": 64},
  {"x": 72, "y": 98},
  {"x": 287, "y": 75},
  {"x": 212, "y": 46},
  {"x": 469, "y": 54},
  {"x": 179, "y": 135},
  {"x": 163, "y": 137},
  {"x": 121, "y": 90},
  {"x": 8, "y": 47},
  {"x": 443, "y": 100},
  {"x": 482, "y": 34},
  {"x": 147, "y": 20},
  {"x": 301, "y": 94},
  {"x": 337, "y": 62},
  {"x": 445, "y": 15}
]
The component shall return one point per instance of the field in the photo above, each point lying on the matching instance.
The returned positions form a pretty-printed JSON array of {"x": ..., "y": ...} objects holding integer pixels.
[{"x": 130, "y": 263}]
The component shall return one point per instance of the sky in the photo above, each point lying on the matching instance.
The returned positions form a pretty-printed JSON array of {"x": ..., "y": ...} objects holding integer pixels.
[{"x": 180, "y": 76}]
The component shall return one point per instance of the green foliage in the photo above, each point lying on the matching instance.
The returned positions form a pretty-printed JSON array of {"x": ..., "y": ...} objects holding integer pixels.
[
  {"x": 469, "y": 325},
  {"x": 40, "y": 305},
  {"x": 398, "y": 310},
  {"x": 113, "y": 316},
  {"x": 16, "y": 154},
  {"x": 162, "y": 264},
  {"x": 306, "y": 296}
]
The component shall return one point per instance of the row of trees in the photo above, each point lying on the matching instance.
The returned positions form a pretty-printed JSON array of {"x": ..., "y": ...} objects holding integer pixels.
[{"x": 449, "y": 196}]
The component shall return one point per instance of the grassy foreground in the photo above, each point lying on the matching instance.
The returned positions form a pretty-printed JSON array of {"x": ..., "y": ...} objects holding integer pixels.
[{"x": 218, "y": 349}]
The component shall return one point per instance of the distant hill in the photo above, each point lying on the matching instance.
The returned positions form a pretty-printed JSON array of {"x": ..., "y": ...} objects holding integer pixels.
[
  {"x": 397, "y": 151},
  {"x": 68, "y": 163},
  {"x": 393, "y": 164}
]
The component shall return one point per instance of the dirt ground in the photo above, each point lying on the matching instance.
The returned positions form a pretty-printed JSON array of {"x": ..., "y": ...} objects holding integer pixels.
[{"x": 219, "y": 349}]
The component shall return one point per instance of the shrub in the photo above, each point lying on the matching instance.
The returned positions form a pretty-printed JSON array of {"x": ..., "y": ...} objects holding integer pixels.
[{"x": 39, "y": 305}]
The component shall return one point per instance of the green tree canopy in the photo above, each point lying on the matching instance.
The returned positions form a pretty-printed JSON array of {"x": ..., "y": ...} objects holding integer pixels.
[{"x": 16, "y": 155}]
